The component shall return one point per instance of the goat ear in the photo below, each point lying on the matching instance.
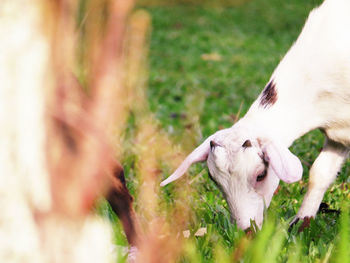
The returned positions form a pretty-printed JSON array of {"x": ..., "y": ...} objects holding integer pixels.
[
  {"x": 283, "y": 162},
  {"x": 200, "y": 154}
]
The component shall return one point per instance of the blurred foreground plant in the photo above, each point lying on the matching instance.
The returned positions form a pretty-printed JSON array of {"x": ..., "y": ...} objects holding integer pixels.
[{"x": 56, "y": 152}]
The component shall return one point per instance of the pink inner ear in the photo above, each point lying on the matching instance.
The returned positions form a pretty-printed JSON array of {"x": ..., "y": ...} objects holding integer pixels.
[
  {"x": 283, "y": 163},
  {"x": 198, "y": 155}
]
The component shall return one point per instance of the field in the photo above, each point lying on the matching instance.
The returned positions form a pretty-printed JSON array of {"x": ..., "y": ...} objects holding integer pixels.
[{"x": 206, "y": 65}]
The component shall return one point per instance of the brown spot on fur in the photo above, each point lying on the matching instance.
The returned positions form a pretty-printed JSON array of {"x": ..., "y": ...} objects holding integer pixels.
[{"x": 269, "y": 95}]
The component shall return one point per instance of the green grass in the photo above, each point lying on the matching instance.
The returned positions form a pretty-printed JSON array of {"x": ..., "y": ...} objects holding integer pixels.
[{"x": 186, "y": 91}]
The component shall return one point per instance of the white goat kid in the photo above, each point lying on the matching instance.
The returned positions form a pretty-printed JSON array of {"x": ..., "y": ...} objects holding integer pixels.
[{"x": 309, "y": 89}]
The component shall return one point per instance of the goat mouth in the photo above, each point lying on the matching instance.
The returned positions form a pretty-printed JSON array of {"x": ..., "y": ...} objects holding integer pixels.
[{"x": 249, "y": 232}]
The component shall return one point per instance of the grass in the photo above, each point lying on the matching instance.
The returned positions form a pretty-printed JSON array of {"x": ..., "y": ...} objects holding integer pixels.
[{"x": 206, "y": 67}]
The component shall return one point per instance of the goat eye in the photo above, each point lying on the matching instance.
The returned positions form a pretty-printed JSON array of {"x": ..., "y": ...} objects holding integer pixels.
[
  {"x": 247, "y": 144},
  {"x": 262, "y": 176}
]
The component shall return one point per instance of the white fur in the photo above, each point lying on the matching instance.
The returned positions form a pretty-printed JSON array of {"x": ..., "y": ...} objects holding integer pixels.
[{"x": 313, "y": 91}]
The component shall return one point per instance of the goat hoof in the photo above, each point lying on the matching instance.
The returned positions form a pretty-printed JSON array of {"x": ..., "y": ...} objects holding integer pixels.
[
  {"x": 293, "y": 223},
  {"x": 324, "y": 208},
  {"x": 305, "y": 223}
]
